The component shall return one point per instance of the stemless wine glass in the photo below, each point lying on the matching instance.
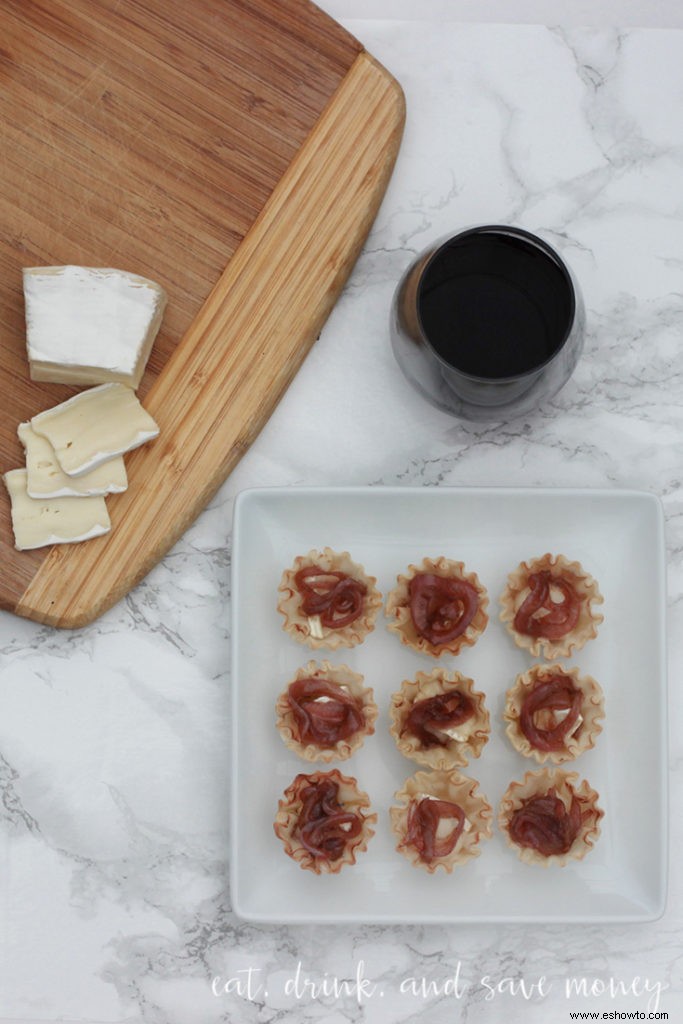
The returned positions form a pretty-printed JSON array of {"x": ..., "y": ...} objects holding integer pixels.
[{"x": 488, "y": 323}]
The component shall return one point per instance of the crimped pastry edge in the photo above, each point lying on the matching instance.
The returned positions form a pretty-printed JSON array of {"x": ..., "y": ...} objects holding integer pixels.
[
  {"x": 517, "y": 588},
  {"x": 565, "y": 783},
  {"x": 353, "y": 683},
  {"x": 289, "y": 807},
  {"x": 397, "y": 607},
  {"x": 430, "y": 684},
  {"x": 456, "y": 788},
  {"x": 592, "y": 711},
  {"x": 297, "y": 625}
]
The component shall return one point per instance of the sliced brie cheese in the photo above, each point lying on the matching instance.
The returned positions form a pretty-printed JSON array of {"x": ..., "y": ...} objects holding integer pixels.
[
  {"x": 445, "y": 826},
  {"x": 324, "y": 699},
  {"x": 548, "y": 718},
  {"x": 38, "y": 522},
  {"x": 90, "y": 325},
  {"x": 559, "y": 715},
  {"x": 45, "y": 478},
  {"x": 315, "y": 627},
  {"x": 95, "y": 426},
  {"x": 461, "y": 733}
]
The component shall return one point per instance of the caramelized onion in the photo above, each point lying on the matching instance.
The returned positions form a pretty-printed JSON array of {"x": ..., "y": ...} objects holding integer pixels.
[
  {"x": 333, "y": 595},
  {"x": 540, "y": 615},
  {"x": 429, "y": 719},
  {"x": 441, "y": 607},
  {"x": 324, "y": 712},
  {"x": 323, "y": 825},
  {"x": 424, "y": 817},
  {"x": 557, "y": 693},
  {"x": 543, "y": 823}
]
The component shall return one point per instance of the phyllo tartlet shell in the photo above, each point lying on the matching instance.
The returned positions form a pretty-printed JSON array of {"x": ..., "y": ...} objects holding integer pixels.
[
  {"x": 592, "y": 710},
  {"x": 586, "y": 588},
  {"x": 455, "y": 788},
  {"x": 566, "y": 785},
  {"x": 456, "y": 752},
  {"x": 352, "y": 683},
  {"x": 287, "y": 821},
  {"x": 309, "y": 630},
  {"x": 397, "y": 608}
]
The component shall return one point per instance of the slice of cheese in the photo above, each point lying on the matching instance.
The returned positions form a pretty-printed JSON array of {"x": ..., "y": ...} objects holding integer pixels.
[
  {"x": 90, "y": 325},
  {"x": 37, "y": 523},
  {"x": 95, "y": 426},
  {"x": 45, "y": 478},
  {"x": 445, "y": 825},
  {"x": 461, "y": 733}
]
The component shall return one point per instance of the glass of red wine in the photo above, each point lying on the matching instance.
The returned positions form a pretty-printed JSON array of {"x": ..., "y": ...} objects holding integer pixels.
[{"x": 489, "y": 323}]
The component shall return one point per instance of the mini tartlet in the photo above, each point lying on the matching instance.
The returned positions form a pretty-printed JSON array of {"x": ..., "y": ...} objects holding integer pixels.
[
  {"x": 440, "y": 820},
  {"x": 547, "y": 606},
  {"x": 438, "y": 607},
  {"x": 325, "y": 712},
  {"x": 439, "y": 719},
  {"x": 328, "y": 600},
  {"x": 553, "y": 713},
  {"x": 550, "y": 818},
  {"x": 323, "y": 821}
]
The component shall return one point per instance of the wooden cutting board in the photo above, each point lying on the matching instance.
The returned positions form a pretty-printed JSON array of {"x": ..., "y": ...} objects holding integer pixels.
[{"x": 236, "y": 152}]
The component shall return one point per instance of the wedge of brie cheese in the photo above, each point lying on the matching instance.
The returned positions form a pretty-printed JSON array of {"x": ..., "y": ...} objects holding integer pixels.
[
  {"x": 90, "y": 325},
  {"x": 94, "y": 426},
  {"x": 39, "y": 522},
  {"x": 46, "y": 479}
]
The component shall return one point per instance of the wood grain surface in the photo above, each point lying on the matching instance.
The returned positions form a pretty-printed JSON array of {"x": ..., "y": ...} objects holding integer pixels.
[{"x": 236, "y": 152}]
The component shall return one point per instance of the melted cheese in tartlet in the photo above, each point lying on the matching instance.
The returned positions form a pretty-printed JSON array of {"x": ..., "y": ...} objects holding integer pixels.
[
  {"x": 315, "y": 627},
  {"x": 582, "y": 736},
  {"x": 585, "y": 589},
  {"x": 309, "y": 629},
  {"x": 566, "y": 786},
  {"x": 462, "y": 742},
  {"x": 452, "y": 787},
  {"x": 351, "y": 683}
]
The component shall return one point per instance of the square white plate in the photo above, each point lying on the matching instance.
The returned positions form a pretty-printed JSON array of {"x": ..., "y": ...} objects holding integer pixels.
[{"x": 618, "y": 537}]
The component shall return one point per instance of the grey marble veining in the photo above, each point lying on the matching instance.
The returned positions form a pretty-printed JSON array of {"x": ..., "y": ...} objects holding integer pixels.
[{"x": 114, "y": 739}]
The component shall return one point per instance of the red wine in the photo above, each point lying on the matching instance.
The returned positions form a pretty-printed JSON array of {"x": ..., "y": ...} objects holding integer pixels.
[{"x": 495, "y": 303}]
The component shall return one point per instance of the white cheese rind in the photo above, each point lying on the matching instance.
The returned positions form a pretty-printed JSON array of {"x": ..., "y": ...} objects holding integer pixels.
[
  {"x": 46, "y": 479},
  {"x": 95, "y": 426},
  {"x": 90, "y": 325},
  {"x": 40, "y": 522}
]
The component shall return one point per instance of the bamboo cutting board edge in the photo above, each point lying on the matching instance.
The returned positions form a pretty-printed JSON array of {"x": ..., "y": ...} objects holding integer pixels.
[
  {"x": 148, "y": 135},
  {"x": 220, "y": 387}
]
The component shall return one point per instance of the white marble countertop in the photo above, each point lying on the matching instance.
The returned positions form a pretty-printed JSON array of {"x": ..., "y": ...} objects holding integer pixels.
[{"x": 114, "y": 739}]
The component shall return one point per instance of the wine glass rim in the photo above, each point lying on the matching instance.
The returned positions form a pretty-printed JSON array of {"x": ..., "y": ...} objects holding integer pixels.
[{"x": 525, "y": 236}]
